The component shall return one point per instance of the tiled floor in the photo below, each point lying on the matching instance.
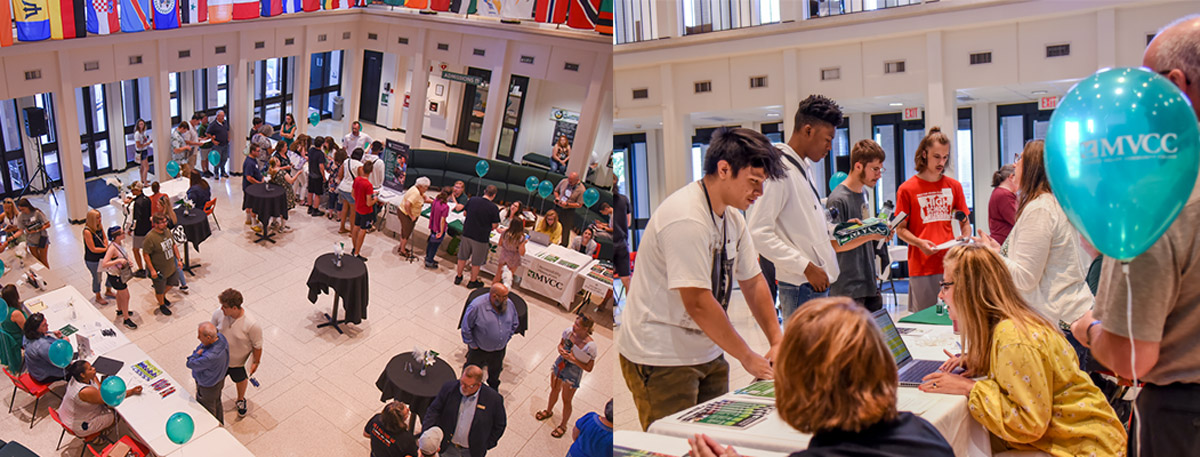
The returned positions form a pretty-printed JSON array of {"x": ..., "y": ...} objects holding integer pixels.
[{"x": 318, "y": 386}]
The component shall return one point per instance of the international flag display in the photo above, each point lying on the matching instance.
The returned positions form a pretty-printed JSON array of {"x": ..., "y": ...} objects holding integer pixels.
[
  {"x": 517, "y": 9},
  {"x": 583, "y": 14},
  {"x": 195, "y": 12},
  {"x": 490, "y": 8},
  {"x": 135, "y": 15},
  {"x": 338, "y": 4},
  {"x": 245, "y": 9},
  {"x": 6, "y": 39},
  {"x": 166, "y": 14},
  {"x": 463, "y": 6},
  {"x": 32, "y": 18},
  {"x": 551, "y": 11},
  {"x": 605, "y": 24},
  {"x": 417, "y": 4},
  {"x": 271, "y": 8},
  {"x": 102, "y": 17},
  {"x": 311, "y": 5},
  {"x": 292, "y": 6},
  {"x": 220, "y": 11},
  {"x": 68, "y": 19},
  {"x": 396, "y": 3},
  {"x": 439, "y": 5}
]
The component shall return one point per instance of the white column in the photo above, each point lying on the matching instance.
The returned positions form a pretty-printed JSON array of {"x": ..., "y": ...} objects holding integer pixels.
[
  {"x": 303, "y": 68},
  {"x": 986, "y": 158},
  {"x": 1106, "y": 40},
  {"x": 70, "y": 164},
  {"x": 160, "y": 115},
  {"x": 669, "y": 19},
  {"x": 414, "y": 123},
  {"x": 590, "y": 117},
  {"x": 396, "y": 98},
  {"x": 241, "y": 103},
  {"x": 677, "y": 131},
  {"x": 493, "y": 117},
  {"x": 791, "y": 90},
  {"x": 352, "y": 83},
  {"x": 115, "y": 101},
  {"x": 187, "y": 94},
  {"x": 940, "y": 109}
]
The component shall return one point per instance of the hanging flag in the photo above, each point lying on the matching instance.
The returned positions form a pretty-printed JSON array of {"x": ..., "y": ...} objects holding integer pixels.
[
  {"x": 311, "y": 5},
  {"x": 551, "y": 11},
  {"x": 463, "y": 6},
  {"x": 166, "y": 14},
  {"x": 416, "y": 4},
  {"x": 135, "y": 15},
  {"x": 245, "y": 9},
  {"x": 6, "y": 38},
  {"x": 516, "y": 10},
  {"x": 195, "y": 12},
  {"x": 291, "y": 6},
  {"x": 605, "y": 24},
  {"x": 489, "y": 8},
  {"x": 68, "y": 19},
  {"x": 220, "y": 11},
  {"x": 396, "y": 3},
  {"x": 583, "y": 14},
  {"x": 271, "y": 8},
  {"x": 337, "y": 4},
  {"x": 33, "y": 20},
  {"x": 440, "y": 5},
  {"x": 102, "y": 17}
]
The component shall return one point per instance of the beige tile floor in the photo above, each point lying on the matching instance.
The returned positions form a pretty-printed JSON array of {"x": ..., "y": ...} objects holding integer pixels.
[{"x": 318, "y": 386}]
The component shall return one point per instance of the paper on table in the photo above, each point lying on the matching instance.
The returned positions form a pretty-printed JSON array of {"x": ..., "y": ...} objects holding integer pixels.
[{"x": 949, "y": 244}]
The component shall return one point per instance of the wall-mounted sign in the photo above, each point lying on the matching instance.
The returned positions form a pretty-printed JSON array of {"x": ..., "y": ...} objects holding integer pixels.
[
  {"x": 912, "y": 114},
  {"x": 1048, "y": 103},
  {"x": 559, "y": 114},
  {"x": 472, "y": 80}
]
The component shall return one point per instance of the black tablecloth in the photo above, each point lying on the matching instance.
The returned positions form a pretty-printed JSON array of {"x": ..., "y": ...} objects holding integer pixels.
[
  {"x": 195, "y": 225},
  {"x": 396, "y": 382},
  {"x": 15, "y": 449},
  {"x": 349, "y": 282},
  {"x": 518, "y": 302},
  {"x": 265, "y": 203}
]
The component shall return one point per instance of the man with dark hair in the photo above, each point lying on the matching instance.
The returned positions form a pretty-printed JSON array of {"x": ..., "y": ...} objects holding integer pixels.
[
  {"x": 200, "y": 131},
  {"x": 788, "y": 224},
  {"x": 617, "y": 229},
  {"x": 857, "y": 277},
  {"x": 245, "y": 338},
  {"x": 218, "y": 129},
  {"x": 482, "y": 217},
  {"x": 676, "y": 330},
  {"x": 161, "y": 253},
  {"x": 257, "y": 124},
  {"x": 251, "y": 174},
  {"x": 459, "y": 194}
]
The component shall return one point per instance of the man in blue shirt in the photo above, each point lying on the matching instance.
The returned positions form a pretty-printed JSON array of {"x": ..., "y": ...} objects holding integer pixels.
[
  {"x": 488, "y": 324},
  {"x": 470, "y": 415},
  {"x": 208, "y": 363},
  {"x": 218, "y": 130},
  {"x": 251, "y": 174}
]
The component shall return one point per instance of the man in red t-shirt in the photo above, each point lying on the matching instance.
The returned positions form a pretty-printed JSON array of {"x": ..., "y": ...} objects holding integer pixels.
[
  {"x": 364, "y": 202},
  {"x": 930, "y": 199}
]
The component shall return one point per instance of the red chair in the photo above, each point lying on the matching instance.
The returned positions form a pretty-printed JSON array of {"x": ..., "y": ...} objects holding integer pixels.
[
  {"x": 209, "y": 206},
  {"x": 135, "y": 447},
  {"x": 29, "y": 386},
  {"x": 86, "y": 439}
]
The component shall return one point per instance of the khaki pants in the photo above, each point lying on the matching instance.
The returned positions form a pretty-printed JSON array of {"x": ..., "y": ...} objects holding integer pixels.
[{"x": 659, "y": 392}]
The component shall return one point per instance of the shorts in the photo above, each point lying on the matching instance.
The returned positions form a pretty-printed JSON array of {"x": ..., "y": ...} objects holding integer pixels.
[
  {"x": 160, "y": 285},
  {"x": 237, "y": 374},
  {"x": 138, "y": 241},
  {"x": 316, "y": 186},
  {"x": 567, "y": 372},
  {"x": 621, "y": 260},
  {"x": 923, "y": 291},
  {"x": 363, "y": 221},
  {"x": 116, "y": 283},
  {"x": 406, "y": 226},
  {"x": 477, "y": 251},
  {"x": 346, "y": 197},
  {"x": 143, "y": 155},
  {"x": 43, "y": 243}
]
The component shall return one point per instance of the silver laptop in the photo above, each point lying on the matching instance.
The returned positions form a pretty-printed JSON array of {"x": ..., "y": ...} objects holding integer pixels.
[
  {"x": 539, "y": 238},
  {"x": 911, "y": 370}
]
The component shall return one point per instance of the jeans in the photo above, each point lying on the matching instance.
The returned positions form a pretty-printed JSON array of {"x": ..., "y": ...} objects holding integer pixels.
[
  {"x": 94, "y": 267},
  {"x": 452, "y": 451},
  {"x": 792, "y": 296},
  {"x": 432, "y": 248},
  {"x": 182, "y": 274},
  {"x": 557, "y": 167},
  {"x": 223, "y": 150}
]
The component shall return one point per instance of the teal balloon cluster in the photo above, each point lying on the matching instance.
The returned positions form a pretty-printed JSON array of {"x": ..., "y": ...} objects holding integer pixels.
[
  {"x": 180, "y": 427},
  {"x": 836, "y": 179},
  {"x": 590, "y": 197},
  {"x": 1122, "y": 154},
  {"x": 112, "y": 391},
  {"x": 61, "y": 353},
  {"x": 482, "y": 167},
  {"x": 545, "y": 189},
  {"x": 173, "y": 168},
  {"x": 531, "y": 183}
]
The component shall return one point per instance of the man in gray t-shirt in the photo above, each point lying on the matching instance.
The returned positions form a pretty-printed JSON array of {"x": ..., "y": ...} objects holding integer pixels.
[{"x": 858, "y": 269}]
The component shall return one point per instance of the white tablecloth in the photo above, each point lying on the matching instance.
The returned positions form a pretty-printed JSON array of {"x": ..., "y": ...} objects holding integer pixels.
[
  {"x": 947, "y": 413},
  {"x": 218, "y": 443},
  {"x": 596, "y": 278},
  {"x": 552, "y": 274},
  {"x": 83, "y": 315},
  {"x": 148, "y": 412},
  {"x": 15, "y": 274},
  {"x": 673, "y": 446},
  {"x": 175, "y": 188}
]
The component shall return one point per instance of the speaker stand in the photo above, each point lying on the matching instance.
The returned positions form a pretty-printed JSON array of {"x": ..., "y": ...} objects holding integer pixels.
[{"x": 41, "y": 170}]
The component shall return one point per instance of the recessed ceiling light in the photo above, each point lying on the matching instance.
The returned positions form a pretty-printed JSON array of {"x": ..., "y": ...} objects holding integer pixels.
[
  {"x": 772, "y": 114},
  {"x": 896, "y": 104},
  {"x": 1038, "y": 92}
]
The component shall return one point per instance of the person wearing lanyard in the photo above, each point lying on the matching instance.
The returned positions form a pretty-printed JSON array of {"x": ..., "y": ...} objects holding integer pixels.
[
  {"x": 676, "y": 330},
  {"x": 789, "y": 226}
]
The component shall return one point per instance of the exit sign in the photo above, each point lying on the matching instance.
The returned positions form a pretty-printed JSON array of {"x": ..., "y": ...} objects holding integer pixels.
[
  {"x": 912, "y": 114},
  {"x": 1048, "y": 103}
]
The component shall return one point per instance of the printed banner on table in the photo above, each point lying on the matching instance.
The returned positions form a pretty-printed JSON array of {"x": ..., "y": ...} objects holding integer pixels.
[
  {"x": 102, "y": 17},
  {"x": 245, "y": 9},
  {"x": 583, "y": 14},
  {"x": 166, "y": 14},
  {"x": 135, "y": 15},
  {"x": 68, "y": 19},
  {"x": 33, "y": 20},
  {"x": 220, "y": 11}
]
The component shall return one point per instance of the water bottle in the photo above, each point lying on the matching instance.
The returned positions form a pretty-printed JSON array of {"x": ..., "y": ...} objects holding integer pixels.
[{"x": 941, "y": 308}]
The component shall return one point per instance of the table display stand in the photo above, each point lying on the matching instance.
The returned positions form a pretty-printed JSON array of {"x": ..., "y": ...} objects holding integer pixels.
[
  {"x": 333, "y": 320},
  {"x": 187, "y": 259},
  {"x": 266, "y": 234}
]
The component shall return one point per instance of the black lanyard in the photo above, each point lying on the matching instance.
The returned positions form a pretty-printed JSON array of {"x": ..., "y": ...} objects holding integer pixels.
[
  {"x": 805, "y": 175},
  {"x": 722, "y": 285}
]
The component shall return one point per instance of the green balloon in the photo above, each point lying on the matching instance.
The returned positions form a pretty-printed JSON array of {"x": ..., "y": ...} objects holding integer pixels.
[
  {"x": 112, "y": 391},
  {"x": 214, "y": 158},
  {"x": 61, "y": 353},
  {"x": 180, "y": 427}
]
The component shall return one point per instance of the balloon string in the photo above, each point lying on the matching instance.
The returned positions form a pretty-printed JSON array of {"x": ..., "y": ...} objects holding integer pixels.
[{"x": 1137, "y": 418}]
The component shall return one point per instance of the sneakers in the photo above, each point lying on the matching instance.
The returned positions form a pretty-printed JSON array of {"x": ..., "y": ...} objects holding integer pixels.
[
  {"x": 431, "y": 265},
  {"x": 183, "y": 289},
  {"x": 164, "y": 310},
  {"x": 208, "y": 174},
  {"x": 360, "y": 257},
  {"x": 286, "y": 228},
  {"x": 140, "y": 273},
  {"x": 130, "y": 324},
  {"x": 475, "y": 284},
  {"x": 241, "y": 408},
  {"x": 166, "y": 302},
  {"x": 256, "y": 228},
  {"x": 458, "y": 280}
]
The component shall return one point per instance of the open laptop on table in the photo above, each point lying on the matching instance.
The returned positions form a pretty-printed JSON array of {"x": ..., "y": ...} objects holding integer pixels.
[
  {"x": 540, "y": 238},
  {"x": 911, "y": 370}
]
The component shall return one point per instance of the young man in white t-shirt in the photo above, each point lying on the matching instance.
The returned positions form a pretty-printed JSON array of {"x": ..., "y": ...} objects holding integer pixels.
[
  {"x": 673, "y": 339},
  {"x": 244, "y": 335}
]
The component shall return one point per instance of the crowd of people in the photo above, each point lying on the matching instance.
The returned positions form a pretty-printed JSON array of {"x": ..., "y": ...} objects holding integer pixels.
[{"x": 1040, "y": 347}]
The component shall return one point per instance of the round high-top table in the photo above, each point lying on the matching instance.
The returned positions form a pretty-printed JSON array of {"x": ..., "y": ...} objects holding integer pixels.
[
  {"x": 266, "y": 202},
  {"x": 349, "y": 283},
  {"x": 402, "y": 381},
  {"x": 195, "y": 229}
]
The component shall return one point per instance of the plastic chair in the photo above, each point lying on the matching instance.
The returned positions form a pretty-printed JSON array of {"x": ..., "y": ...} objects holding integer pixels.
[
  {"x": 209, "y": 206},
  {"x": 134, "y": 446},
  {"x": 29, "y": 386},
  {"x": 86, "y": 439}
]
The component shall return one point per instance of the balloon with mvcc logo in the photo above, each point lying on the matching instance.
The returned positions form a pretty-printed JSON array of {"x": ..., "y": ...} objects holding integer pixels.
[{"x": 1122, "y": 155}]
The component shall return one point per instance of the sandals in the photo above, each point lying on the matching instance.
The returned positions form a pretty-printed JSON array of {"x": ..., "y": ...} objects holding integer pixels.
[
  {"x": 543, "y": 415},
  {"x": 558, "y": 432}
]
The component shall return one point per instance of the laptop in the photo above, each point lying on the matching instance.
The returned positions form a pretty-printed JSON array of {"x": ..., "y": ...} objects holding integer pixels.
[
  {"x": 540, "y": 238},
  {"x": 911, "y": 370}
]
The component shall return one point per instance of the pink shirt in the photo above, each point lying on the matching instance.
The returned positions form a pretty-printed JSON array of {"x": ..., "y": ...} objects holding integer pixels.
[{"x": 437, "y": 214}]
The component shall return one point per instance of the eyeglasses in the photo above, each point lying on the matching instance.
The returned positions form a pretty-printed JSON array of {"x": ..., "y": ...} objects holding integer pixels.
[{"x": 945, "y": 285}]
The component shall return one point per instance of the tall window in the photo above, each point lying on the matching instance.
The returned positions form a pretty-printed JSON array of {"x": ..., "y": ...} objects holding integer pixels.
[
  {"x": 325, "y": 82},
  {"x": 14, "y": 172},
  {"x": 822, "y": 8},
  {"x": 93, "y": 129},
  {"x": 700, "y": 16},
  {"x": 211, "y": 89},
  {"x": 634, "y": 20},
  {"x": 135, "y": 104},
  {"x": 173, "y": 81},
  {"x": 964, "y": 160},
  {"x": 273, "y": 85}
]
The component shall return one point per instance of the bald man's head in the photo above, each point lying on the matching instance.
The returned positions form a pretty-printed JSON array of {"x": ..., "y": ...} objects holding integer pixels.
[
  {"x": 1175, "y": 54},
  {"x": 207, "y": 333},
  {"x": 499, "y": 296},
  {"x": 573, "y": 178}
]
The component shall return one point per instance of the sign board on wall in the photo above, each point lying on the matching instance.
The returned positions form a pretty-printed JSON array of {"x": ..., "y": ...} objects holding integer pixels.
[
  {"x": 392, "y": 151},
  {"x": 1048, "y": 103},
  {"x": 559, "y": 114},
  {"x": 912, "y": 114},
  {"x": 564, "y": 128},
  {"x": 469, "y": 79}
]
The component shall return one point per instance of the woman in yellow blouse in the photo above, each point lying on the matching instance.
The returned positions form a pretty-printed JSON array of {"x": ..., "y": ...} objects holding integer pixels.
[
  {"x": 550, "y": 226},
  {"x": 1032, "y": 393}
]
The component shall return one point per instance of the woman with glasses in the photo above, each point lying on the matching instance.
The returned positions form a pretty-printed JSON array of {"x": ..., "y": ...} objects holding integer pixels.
[{"x": 1032, "y": 394}]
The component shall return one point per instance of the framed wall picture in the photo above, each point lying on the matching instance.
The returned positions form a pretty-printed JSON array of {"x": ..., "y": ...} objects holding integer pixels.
[
  {"x": 435, "y": 106},
  {"x": 439, "y": 90}
]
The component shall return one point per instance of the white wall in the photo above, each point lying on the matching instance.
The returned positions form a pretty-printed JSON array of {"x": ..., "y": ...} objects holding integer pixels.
[
  {"x": 383, "y": 115},
  {"x": 537, "y": 129}
]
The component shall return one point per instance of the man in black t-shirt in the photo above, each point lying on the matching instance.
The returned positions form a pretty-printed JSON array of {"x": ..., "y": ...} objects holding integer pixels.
[
  {"x": 140, "y": 225},
  {"x": 316, "y": 180},
  {"x": 218, "y": 129},
  {"x": 483, "y": 216}
]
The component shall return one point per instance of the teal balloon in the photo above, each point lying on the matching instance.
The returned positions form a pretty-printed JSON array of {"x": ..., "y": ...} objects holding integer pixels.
[
  {"x": 590, "y": 197},
  {"x": 314, "y": 119},
  {"x": 112, "y": 391},
  {"x": 61, "y": 353},
  {"x": 180, "y": 427},
  {"x": 531, "y": 183},
  {"x": 173, "y": 168},
  {"x": 1122, "y": 155},
  {"x": 482, "y": 167},
  {"x": 836, "y": 179},
  {"x": 214, "y": 158},
  {"x": 545, "y": 189},
  {"x": 1, "y": 269}
]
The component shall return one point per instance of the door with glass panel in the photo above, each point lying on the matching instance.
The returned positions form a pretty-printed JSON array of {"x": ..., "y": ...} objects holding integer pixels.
[
  {"x": 899, "y": 140},
  {"x": 632, "y": 173},
  {"x": 1017, "y": 125},
  {"x": 93, "y": 127},
  {"x": 474, "y": 107}
]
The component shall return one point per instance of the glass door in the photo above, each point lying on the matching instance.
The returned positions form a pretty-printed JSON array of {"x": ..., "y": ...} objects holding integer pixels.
[
  {"x": 135, "y": 105},
  {"x": 899, "y": 139},
  {"x": 1018, "y": 124},
  {"x": 513, "y": 109},
  {"x": 633, "y": 180},
  {"x": 473, "y": 109},
  {"x": 13, "y": 171},
  {"x": 93, "y": 126}
]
